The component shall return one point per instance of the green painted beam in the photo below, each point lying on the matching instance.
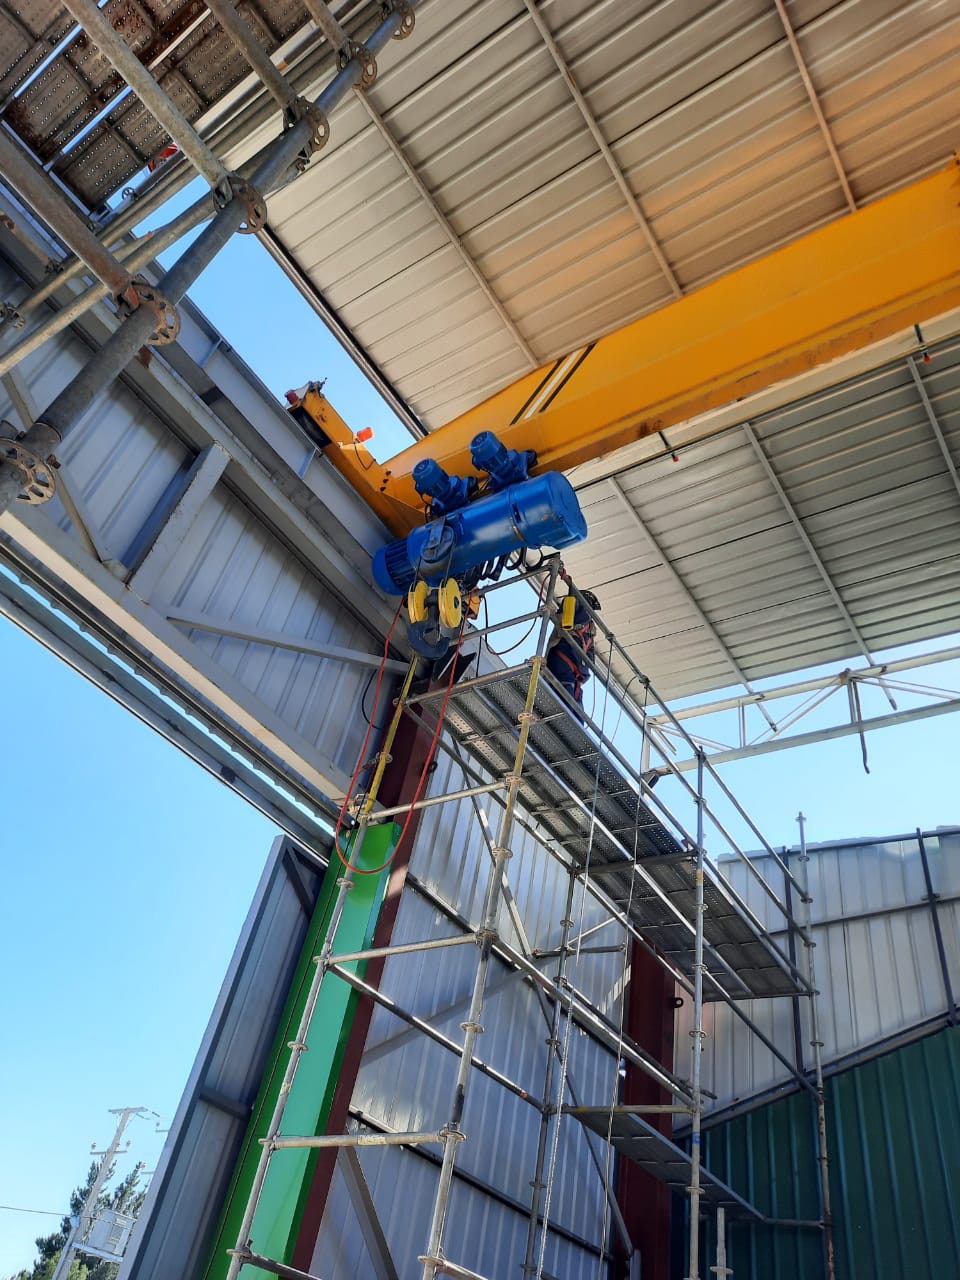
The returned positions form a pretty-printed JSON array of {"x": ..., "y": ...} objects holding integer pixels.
[{"x": 288, "y": 1178}]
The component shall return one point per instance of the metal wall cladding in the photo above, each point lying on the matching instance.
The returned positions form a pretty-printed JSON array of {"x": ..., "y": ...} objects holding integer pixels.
[
  {"x": 707, "y": 117},
  {"x": 232, "y": 566},
  {"x": 407, "y": 1082},
  {"x": 175, "y": 1230},
  {"x": 128, "y": 468},
  {"x": 893, "y": 1135},
  {"x": 484, "y": 1235},
  {"x": 876, "y": 960}
]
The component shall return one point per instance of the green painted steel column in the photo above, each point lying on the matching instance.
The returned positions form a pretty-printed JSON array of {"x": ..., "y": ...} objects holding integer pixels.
[{"x": 288, "y": 1178}]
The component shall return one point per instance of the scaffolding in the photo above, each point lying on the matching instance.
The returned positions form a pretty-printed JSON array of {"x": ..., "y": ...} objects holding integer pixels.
[
  {"x": 235, "y": 203},
  {"x": 558, "y": 774},
  {"x": 561, "y": 776}
]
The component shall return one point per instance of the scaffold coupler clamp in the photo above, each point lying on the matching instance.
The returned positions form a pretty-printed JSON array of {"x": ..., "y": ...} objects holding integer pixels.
[
  {"x": 304, "y": 109},
  {"x": 237, "y": 188},
  {"x": 37, "y": 474},
  {"x": 141, "y": 293},
  {"x": 407, "y": 17},
  {"x": 353, "y": 51}
]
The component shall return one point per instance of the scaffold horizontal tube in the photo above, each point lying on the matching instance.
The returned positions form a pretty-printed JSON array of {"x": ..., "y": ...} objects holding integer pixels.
[
  {"x": 316, "y": 1142},
  {"x": 401, "y": 949}
]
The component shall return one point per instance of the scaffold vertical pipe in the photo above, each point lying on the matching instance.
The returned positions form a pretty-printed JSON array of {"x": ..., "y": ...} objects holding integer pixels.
[
  {"x": 452, "y": 1133},
  {"x": 553, "y": 1044},
  {"x": 697, "y": 1036},
  {"x": 823, "y": 1155},
  {"x": 720, "y": 1268},
  {"x": 298, "y": 1045}
]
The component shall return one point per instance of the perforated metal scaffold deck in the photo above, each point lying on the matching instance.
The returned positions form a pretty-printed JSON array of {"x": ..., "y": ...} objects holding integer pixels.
[
  {"x": 589, "y": 807},
  {"x": 637, "y": 1140}
]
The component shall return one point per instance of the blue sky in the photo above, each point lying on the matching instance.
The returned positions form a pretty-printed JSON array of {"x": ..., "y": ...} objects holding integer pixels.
[{"x": 129, "y": 870}]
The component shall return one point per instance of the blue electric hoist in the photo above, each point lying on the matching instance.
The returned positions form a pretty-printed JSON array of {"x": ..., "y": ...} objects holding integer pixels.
[{"x": 476, "y": 523}]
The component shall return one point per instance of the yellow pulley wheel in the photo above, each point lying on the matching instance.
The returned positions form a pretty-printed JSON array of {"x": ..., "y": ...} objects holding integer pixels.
[
  {"x": 450, "y": 604},
  {"x": 417, "y": 602}
]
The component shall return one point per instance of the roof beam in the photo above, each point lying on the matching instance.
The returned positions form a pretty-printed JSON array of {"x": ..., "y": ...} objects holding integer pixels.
[
  {"x": 815, "y": 103},
  {"x": 805, "y": 539},
  {"x": 845, "y": 287},
  {"x": 934, "y": 422},
  {"x": 682, "y": 587},
  {"x": 446, "y": 226},
  {"x": 612, "y": 164}
]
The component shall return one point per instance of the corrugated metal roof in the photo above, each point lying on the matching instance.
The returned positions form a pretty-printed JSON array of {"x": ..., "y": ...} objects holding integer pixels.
[
  {"x": 466, "y": 225},
  {"x": 706, "y": 116},
  {"x": 835, "y": 534}
]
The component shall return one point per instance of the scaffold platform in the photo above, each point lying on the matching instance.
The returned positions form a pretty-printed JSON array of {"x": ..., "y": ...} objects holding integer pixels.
[
  {"x": 637, "y": 1140},
  {"x": 592, "y": 809}
]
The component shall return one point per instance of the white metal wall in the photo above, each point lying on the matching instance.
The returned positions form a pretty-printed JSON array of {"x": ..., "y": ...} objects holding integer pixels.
[
  {"x": 202, "y": 514},
  {"x": 877, "y": 966},
  {"x": 406, "y": 1081}
]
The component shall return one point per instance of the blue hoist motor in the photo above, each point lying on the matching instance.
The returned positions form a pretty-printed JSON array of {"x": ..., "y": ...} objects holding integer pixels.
[{"x": 476, "y": 524}]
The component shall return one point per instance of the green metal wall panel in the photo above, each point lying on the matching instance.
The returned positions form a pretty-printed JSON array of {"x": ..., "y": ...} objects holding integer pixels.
[{"x": 894, "y": 1135}]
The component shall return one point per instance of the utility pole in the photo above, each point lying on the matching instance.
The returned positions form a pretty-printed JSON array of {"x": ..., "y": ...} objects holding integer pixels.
[{"x": 80, "y": 1225}]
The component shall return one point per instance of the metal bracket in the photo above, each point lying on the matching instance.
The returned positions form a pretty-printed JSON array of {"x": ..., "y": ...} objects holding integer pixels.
[
  {"x": 256, "y": 216},
  {"x": 408, "y": 18},
  {"x": 359, "y": 53},
  {"x": 10, "y": 315},
  {"x": 37, "y": 482},
  {"x": 304, "y": 109},
  {"x": 167, "y": 325}
]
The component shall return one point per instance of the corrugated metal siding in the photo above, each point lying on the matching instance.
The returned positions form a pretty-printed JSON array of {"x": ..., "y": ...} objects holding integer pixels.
[
  {"x": 894, "y": 1138},
  {"x": 484, "y": 1232},
  {"x": 877, "y": 966},
  {"x": 128, "y": 467},
  {"x": 407, "y": 1082},
  {"x": 186, "y": 1193}
]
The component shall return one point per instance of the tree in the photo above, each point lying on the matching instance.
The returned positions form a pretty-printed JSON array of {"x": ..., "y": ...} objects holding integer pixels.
[{"x": 127, "y": 1197}]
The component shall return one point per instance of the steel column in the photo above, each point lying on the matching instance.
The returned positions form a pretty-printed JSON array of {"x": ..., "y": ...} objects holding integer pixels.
[{"x": 937, "y": 930}]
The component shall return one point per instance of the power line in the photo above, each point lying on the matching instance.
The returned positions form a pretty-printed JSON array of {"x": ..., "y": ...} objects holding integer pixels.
[{"x": 50, "y": 1213}]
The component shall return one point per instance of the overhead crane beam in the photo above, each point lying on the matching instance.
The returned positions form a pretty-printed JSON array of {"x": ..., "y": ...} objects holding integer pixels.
[{"x": 838, "y": 290}]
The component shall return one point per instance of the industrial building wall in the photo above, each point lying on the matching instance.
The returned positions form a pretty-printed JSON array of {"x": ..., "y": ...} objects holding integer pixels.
[
  {"x": 196, "y": 512},
  {"x": 175, "y": 1229},
  {"x": 877, "y": 962},
  {"x": 406, "y": 1082},
  {"x": 894, "y": 1138}
]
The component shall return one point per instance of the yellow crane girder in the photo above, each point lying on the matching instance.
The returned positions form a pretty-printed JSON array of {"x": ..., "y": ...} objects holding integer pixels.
[{"x": 839, "y": 289}]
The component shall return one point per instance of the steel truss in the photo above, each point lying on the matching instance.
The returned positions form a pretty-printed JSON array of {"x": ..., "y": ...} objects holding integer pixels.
[
  {"x": 804, "y": 699},
  {"x": 545, "y": 735}
]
